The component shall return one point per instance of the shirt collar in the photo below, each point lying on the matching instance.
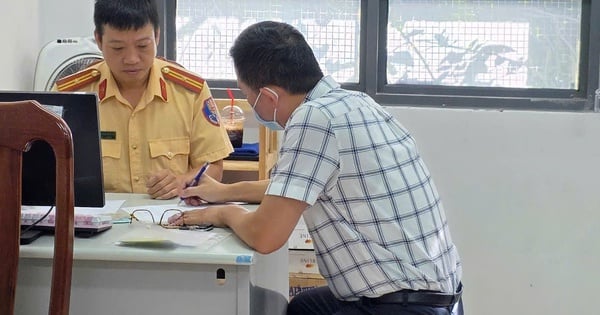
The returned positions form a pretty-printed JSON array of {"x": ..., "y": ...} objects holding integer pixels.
[
  {"x": 324, "y": 86},
  {"x": 154, "y": 83}
]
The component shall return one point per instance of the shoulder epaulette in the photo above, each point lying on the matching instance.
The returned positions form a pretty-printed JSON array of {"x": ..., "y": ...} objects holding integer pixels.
[
  {"x": 184, "y": 78},
  {"x": 78, "y": 80},
  {"x": 170, "y": 61}
]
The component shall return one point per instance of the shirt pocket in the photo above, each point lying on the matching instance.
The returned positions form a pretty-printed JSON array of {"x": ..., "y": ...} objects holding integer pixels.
[
  {"x": 111, "y": 158},
  {"x": 111, "y": 148},
  {"x": 170, "y": 154}
]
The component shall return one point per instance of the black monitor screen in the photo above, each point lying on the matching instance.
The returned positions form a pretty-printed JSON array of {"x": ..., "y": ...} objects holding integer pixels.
[{"x": 80, "y": 112}]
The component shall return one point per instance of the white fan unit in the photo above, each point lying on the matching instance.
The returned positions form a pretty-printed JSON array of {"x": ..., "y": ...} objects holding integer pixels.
[{"x": 63, "y": 57}]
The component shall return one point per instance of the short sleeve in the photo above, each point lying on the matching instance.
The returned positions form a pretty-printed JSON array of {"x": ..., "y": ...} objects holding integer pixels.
[{"x": 309, "y": 158}]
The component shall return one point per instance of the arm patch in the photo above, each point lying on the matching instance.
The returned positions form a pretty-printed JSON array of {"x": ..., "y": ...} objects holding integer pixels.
[{"x": 209, "y": 110}]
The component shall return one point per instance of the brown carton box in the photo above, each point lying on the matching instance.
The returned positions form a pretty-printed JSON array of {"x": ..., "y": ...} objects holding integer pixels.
[
  {"x": 303, "y": 281},
  {"x": 302, "y": 261}
]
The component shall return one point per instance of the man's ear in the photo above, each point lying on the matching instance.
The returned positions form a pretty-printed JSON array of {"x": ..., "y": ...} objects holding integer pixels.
[
  {"x": 271, "y": 94},
  {"x": 157, "y": 36},
  {"x": 98, "y": 39}
]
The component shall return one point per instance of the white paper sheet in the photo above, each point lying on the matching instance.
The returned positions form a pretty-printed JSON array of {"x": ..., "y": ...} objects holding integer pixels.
[{"x": 149, "y": 235}]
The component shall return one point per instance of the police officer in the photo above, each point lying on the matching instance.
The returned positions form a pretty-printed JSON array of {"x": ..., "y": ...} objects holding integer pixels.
[{"x": 159, "y": 123}]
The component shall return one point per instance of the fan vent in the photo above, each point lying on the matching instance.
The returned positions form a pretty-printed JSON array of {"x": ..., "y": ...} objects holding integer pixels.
[
  {"x": 62, "y": 57},
  {"x": 71, "y": 66},
  {"x": 75, "y": 66}
]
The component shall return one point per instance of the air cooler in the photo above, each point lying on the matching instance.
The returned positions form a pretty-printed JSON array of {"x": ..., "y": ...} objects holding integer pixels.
[{"x": 62, "y": 57}]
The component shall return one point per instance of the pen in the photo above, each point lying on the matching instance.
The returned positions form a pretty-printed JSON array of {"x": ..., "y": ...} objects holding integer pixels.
[{"x": 196, "y": 178}]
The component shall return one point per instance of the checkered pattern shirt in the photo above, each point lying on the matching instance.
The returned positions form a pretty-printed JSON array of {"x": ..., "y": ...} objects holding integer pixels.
[{"x": 375, "y": 217}]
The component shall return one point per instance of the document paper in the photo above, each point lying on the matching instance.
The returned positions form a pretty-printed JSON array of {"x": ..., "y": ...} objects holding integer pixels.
[{"x": 146, "y": 233}]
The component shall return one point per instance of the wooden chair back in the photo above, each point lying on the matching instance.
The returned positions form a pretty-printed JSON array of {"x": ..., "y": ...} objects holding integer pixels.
[{"x": 20, "y": 124}]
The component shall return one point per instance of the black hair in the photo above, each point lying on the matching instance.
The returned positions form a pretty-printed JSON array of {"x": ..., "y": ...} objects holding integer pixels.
[
  {"x": 275, "y": 53},
  {"x": 125, "y": 14}
]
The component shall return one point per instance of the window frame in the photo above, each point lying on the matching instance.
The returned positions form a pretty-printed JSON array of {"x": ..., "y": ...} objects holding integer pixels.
[{"x": 373, "y": 62}]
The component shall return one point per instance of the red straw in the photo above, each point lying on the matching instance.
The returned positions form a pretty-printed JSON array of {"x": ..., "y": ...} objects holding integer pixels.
[{"x": 232, "y": 102}]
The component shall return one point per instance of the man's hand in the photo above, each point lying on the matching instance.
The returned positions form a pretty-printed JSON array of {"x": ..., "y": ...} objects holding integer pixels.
[
  {"x": 208, "y": 189},
  {"x": 208, "y": 215},
  {"x": 164, "y": 184}
]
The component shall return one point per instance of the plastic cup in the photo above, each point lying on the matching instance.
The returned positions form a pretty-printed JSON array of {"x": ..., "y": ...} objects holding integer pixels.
[{"x": 233, "y": 120}]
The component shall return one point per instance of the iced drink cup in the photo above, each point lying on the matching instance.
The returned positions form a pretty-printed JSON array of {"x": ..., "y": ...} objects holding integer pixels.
[
  {"x": 235, "y": 130},
  {"x": 233, "y": 120}
]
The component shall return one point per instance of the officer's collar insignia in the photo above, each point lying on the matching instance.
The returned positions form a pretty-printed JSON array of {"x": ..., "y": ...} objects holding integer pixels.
[
  {"x": 102, "y": 89},
  {"x": 163, "y": 89}
]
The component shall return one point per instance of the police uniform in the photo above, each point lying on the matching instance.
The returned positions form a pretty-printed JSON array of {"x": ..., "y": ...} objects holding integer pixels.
[{"x": 175, "y": 126}]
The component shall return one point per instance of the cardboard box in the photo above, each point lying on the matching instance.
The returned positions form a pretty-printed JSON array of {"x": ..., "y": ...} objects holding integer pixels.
[
  {"x": 304, "y": 281},
  {"x": 302, "y": 261},
  {"x": 300, "y": 238}
]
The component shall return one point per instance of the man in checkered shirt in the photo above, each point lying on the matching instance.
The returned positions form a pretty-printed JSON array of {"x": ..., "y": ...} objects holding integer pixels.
[{"x": 347, "y": 166}]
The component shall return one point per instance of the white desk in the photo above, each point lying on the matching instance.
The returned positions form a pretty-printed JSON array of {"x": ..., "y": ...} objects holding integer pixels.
[{"x": 110, "y": 279}]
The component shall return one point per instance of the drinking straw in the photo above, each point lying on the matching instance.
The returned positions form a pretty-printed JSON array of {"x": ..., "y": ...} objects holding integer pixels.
[{"x": 232, "y": 102}]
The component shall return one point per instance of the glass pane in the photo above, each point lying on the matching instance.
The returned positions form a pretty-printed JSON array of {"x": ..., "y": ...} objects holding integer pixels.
[
  {"x": 496, "y": 43},
  {"x": 206, "y": 30}
]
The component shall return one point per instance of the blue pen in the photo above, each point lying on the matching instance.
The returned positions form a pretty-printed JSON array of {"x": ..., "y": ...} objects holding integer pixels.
[{"x": 197, "y": 177}]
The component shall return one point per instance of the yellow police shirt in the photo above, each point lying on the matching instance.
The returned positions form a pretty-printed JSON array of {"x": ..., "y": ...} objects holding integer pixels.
[{"x": 175, "y": 126}]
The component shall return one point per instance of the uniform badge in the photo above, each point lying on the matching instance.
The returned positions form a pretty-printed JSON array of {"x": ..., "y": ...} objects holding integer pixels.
[
  {"x": 77, "y": 80},
  {"x": 209, "y": 109},
  {"x": 163, "y": 89},
  {"x": 102, "y": 89},
  {"x": 184, "y": 78}
]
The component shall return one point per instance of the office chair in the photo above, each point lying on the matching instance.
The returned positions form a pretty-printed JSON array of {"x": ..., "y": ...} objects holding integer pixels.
[{"x": 21, "y": 123}]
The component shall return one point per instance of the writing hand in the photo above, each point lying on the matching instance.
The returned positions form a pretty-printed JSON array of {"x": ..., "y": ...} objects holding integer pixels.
[
  {"x": 208, "y": 190},
  {"x": 194, "y": 183}
]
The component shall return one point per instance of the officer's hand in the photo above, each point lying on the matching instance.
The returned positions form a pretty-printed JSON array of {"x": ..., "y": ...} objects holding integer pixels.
[{"x": 163, "y": 184}]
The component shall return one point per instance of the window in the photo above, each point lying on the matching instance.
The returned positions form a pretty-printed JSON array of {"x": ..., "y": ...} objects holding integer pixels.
[
  {"x": 512, "y": 44},
  {"x": 206, "y": 31},
  {"x": 521, "y": 54}
]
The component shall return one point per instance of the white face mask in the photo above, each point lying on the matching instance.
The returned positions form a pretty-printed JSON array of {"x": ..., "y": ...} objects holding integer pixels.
[{"x": 273, "y": 125}]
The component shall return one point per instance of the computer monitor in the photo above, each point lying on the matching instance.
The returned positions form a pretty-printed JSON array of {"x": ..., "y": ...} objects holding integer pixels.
[{"x": 80, "y": 112}]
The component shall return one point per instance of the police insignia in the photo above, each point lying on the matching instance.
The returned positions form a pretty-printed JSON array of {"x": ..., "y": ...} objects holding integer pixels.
[
  {"x": 78, "y": 80},
  {"x": 184, "y": 78},
  {"x": 163, "y": 89},
  {"x": 102, "y": 90},
  {"x": 209, "y": 109}
]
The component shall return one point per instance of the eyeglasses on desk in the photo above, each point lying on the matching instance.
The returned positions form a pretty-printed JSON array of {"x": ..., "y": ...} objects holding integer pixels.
[{"x": 164, "y": 217}]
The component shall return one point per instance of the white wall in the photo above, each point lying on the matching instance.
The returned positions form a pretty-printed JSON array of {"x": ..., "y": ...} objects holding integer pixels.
[
  {"x": 520, "y": 188},
  {"x": 29, "y": 24},
  {"x": 65, "y": 18},
  {"x": 19, "y": 37}
]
